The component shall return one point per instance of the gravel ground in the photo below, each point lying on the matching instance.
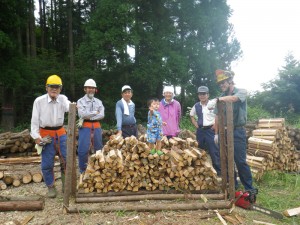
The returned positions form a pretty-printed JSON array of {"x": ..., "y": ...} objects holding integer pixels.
[{"x": 53, "y": 211}]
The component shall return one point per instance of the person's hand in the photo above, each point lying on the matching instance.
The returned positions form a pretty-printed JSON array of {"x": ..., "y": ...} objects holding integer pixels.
[
  {"x": 119, "y": 133},
  {"x": 216, "y": 139},
  {"x": 164, "y": 123},
  {"x": 79, "y": 123},
  {"x": 47, "y": 139}
]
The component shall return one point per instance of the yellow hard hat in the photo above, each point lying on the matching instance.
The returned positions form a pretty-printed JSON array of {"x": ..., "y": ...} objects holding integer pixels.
[
  {"x": 54, "y": 80},
  {"x": 223, "y": 75}
]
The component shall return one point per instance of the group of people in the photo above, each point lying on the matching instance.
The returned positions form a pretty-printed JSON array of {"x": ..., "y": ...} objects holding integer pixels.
[
  {"x": 163, "y": 119},
  {"x": 50, "y": 136}
]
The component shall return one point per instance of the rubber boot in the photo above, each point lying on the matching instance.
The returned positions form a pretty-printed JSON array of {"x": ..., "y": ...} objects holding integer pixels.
[
  {"x": 153, "y": 151},
  {"x": 52, "y": 192},
  {"x": 63, "y": 178},
  {"x": 159, "y": 152}
]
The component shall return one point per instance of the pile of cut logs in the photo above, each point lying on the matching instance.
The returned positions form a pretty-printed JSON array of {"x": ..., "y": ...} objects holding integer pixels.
[
  {"x": 294, "y": 135},
  {"x": 20, "y": 143},
  {"x": 126, "y": 164},
  {"x": 16, "y": 179},
  {"x": 270, "y": 148}
]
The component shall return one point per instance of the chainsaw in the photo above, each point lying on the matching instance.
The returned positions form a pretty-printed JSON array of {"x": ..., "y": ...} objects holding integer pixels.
[{"x": 247, "y": 200}]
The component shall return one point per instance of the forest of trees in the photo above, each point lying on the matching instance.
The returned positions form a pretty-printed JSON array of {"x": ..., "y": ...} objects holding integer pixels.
[{"x": 145, "y": 44}]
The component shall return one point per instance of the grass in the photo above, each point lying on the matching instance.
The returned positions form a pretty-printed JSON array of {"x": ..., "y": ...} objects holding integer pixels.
[{"x": 280, "y": 191}]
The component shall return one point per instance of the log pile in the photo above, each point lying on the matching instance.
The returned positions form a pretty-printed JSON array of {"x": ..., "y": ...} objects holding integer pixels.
[
  {"x": 17, "y": 179},
  {"x": 20, "y": 143},
  {"x": 270, "y": 148},
  {"x": 126, "y": 164}
]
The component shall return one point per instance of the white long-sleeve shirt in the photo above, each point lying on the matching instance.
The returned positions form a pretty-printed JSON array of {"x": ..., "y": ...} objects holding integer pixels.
[{"x": 48, "y": 113}]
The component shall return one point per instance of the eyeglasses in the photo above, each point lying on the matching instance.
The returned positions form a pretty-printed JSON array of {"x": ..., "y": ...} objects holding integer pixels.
[
  {"x": 54, "y": 86},
  {"x": 202, "y": 93},
  {"x": 222, "y": 82}
]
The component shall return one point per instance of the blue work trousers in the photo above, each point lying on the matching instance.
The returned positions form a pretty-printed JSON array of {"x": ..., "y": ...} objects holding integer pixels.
[
  {"x": 85, "y": 142},
  {"x": 240, "y": 154},
  {"x": 57, "y": 146},
  {"x": 205, "y": 138}
]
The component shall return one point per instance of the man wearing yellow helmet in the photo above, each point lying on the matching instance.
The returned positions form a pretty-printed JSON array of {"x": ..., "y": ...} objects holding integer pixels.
[
  {"x": 48, "y": 132},
  {"x": 239, "y": 99}
]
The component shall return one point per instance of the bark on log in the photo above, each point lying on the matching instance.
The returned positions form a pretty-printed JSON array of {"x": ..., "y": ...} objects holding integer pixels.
[
  {"x": 149, "y": 197},
  {"x": 156, "y": 207},
  {"x": 21, "y": 205}
]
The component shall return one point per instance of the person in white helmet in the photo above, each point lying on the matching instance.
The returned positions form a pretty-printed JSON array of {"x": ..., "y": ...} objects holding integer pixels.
[{"x": 90, "y": 111}]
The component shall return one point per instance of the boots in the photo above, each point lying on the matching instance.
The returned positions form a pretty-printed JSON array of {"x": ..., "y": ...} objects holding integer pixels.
[
  {"x": 52, "y": 192},
  {"x": 63, "y": 178}
]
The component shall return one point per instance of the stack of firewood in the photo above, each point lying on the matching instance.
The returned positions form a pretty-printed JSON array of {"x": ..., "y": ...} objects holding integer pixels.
[
  {"x": 126, "y": 164},
  {"x": 294, "y": 135},
  {"x": 16, "y": 179},
  {"x": 271, "y": 142},
  {"x": 20, "y": 143}
]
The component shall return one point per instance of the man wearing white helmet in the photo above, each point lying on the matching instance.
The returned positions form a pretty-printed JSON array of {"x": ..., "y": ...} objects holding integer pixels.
[
  {"x": 90, "y": 111},
  {"x": 170, "y": 111},
  {"x": 125, "y": 110}
]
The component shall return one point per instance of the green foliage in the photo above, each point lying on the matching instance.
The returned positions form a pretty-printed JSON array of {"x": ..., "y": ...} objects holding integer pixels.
[
  {"x": 280, "y": 191},
  {"x": 256, "y": 112},
  {"x": 282, "y": 95},
  {"x": 185, "y": 123}
]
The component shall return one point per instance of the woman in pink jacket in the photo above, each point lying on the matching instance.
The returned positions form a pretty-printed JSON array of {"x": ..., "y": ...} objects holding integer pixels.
[{"x": 170, "y": 111}]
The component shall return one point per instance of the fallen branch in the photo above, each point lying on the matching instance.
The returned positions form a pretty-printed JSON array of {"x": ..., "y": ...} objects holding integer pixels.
[
  {"x": 153, "y": 208},
  {"x": 149, "y": 197}
]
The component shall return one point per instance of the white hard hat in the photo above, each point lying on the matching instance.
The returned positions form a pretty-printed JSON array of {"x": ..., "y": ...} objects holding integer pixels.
[
  {"x": 90, "y": 83},
  {"x": 126, "y": 87},
  {"x": 168, "y": 89}
]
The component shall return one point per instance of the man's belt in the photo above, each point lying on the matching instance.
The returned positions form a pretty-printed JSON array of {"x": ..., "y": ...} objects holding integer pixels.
[
  {"x": 132, "y": 125},
  {"x": 52, "y": 128},
  {"x": 206, "y": 127},
  {"x": 91, "y": 121}
]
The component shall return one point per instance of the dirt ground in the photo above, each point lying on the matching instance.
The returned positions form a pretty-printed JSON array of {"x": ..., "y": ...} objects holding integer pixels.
[{"x": 53, "y": 211}]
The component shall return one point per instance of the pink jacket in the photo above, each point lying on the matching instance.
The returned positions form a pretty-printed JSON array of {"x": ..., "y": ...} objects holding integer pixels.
[{"x": 170, "y": 113}]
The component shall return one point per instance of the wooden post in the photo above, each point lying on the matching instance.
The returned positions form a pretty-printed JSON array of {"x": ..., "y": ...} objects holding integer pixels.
[
  {"x": 223, "y": 150},
  {"x": 70, "y": 155},
  {"x": 230, "y": 149}
]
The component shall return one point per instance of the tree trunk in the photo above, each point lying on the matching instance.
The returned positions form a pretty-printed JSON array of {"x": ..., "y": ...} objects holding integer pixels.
[
  {"x": 71, "y": 49},
  {"x": 157, "y": 207},
  {"x": 22, "y": 205}
]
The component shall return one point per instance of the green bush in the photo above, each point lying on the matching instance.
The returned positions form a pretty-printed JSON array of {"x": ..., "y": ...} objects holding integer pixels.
[
  {"x": 257, "y": 112},
  {"x": 185, "y": 123}
]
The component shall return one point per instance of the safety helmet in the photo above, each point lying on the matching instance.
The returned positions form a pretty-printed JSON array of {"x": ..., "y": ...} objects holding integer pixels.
[
  {"x": 90, "y": 83},
  {"x": 223, "y": 75},
  {"x": 54, "y": 80}
]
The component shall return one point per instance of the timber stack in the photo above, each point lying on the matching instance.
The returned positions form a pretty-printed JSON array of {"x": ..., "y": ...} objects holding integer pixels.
[
  {"x": 270, "y": 148},
  {"x": 126, "y": 164},
  {"x": 17, "y": 179},
  {"x": 17, "y": 143}
]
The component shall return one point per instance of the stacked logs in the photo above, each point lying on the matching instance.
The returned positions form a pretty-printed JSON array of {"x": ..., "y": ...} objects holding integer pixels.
[
  {"x": 126, "y": 164},
  {"x": 294, "y": 135},
  {"x": 20, "y": 143},
  {"x": 270, "y": 148},
  {"x": 16, "y": 179}
]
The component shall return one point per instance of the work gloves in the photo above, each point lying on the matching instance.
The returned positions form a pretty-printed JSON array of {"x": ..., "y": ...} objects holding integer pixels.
[
  {"x": 216, "y": 139},
  {"x": 45, "y": 140},
  {"x": 79, "y": 123}
]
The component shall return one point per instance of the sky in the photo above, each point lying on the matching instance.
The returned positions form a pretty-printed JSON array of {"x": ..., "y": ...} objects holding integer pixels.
[{"x": 267, "y": 31}]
